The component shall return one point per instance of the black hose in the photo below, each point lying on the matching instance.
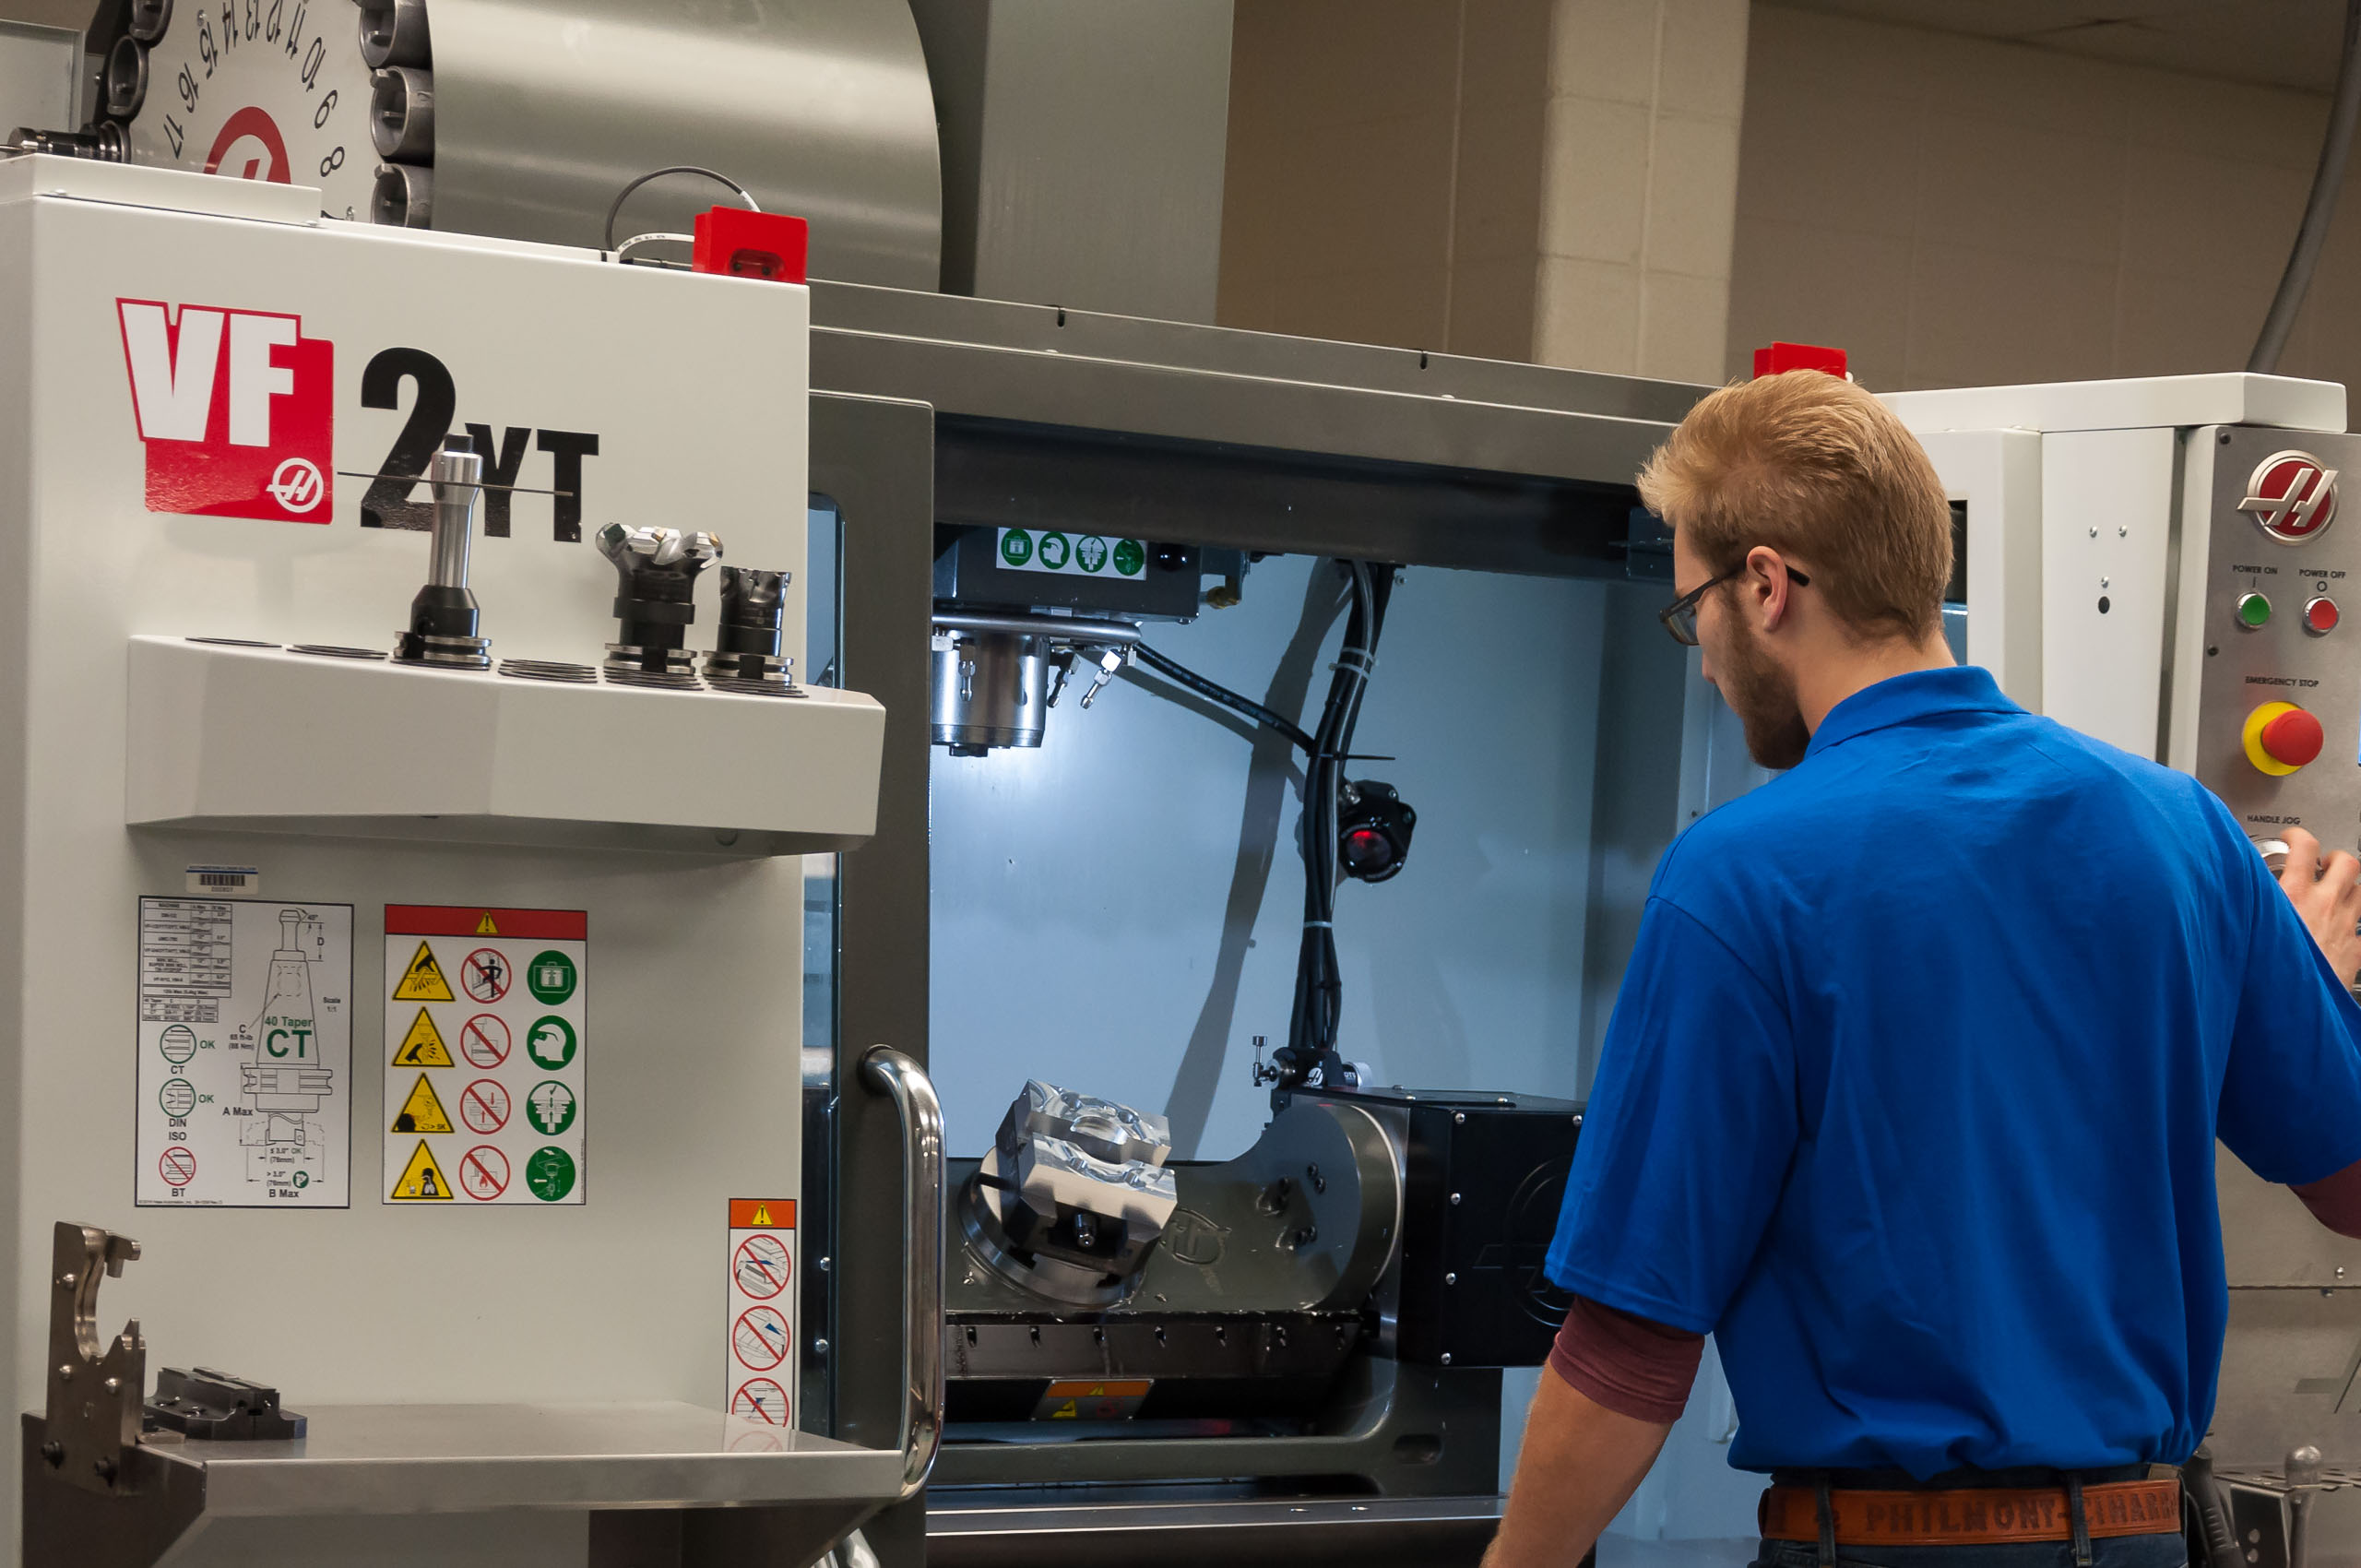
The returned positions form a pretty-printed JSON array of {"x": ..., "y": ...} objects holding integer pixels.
[
  {"x": 1180, "y": 675},
  {"x": 2213, "y": 1510},
  {"x": 2328, "y": 179},
  {"x": 1319, "y": 993}
]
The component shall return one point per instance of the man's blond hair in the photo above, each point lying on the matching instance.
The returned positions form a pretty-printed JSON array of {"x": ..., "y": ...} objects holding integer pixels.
[{"x": 1820, "y": 470}]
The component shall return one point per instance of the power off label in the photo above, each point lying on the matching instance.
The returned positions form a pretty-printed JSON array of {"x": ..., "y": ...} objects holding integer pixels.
[{"x": 760, "y": 1324}]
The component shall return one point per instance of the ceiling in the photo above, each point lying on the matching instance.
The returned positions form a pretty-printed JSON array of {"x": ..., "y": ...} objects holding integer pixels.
[{"x": 2279, "y": 42}]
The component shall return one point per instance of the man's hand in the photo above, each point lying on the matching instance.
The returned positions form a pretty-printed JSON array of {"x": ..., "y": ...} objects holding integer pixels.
[
  {"x": 2327, "y": 899},
  {"x": 1580, "y": 1464}
]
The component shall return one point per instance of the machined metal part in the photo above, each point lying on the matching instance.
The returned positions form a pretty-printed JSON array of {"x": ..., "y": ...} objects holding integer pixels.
[
  {"x": 214, "y": 1405},
  {"x": 1072, "y": 1195},
  {"x": 890, "y": 1072},
  {"x": 2280, "y": 1515},
  {"x": 444, "y": 617},
  {"x": 127, "y": 79},
  {"x": 548, "y": 669},
  {"x": 996, "y": 676},
  {"x": 403, "y": 196},
  {"x": 103, "y": 142},
  {"x": 657, "y": 571},
  {"x": 393, "y": 33},
  {"x": 401, "y": 114},
  {"x": 747, "y": 642},
  {"x": 95, "y": 1385}
]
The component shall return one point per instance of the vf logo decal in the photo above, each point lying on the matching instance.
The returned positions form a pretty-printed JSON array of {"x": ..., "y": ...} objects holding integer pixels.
[
  {"x": 236, "y": 408},
  {"x": 2291, "y": 497}
]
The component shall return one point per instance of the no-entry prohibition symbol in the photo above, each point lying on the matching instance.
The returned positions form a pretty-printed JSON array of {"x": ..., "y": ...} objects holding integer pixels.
[
  {"x": 483, "y": 1173},
  {"x": 177, "y": 1167},
  {"x": 484, "y": 1040},
  {"x": 761, "y": 1267},
  {"x": 483, "y": 1106},
  {"x": 485, "y": 975},
  {"x": 760, "y": 1399},
  {"x": 759, "y": 1338}
]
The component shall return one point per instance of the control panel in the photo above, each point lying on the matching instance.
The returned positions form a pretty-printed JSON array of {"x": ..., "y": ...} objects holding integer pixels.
[{"x": 2279, "y": 723}]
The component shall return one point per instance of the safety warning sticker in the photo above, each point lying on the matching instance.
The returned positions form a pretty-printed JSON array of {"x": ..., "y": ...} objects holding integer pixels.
[
  {"x": 760, "y": 1355},
  {"x": 244, "y": 1081},
  {"x": 487, "y": 1034}
]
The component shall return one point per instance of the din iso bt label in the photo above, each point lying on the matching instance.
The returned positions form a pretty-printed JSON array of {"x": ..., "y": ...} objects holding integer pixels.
[
  {"x": 245, "y": 1088},
  {"x": 487, "y": 1029}
]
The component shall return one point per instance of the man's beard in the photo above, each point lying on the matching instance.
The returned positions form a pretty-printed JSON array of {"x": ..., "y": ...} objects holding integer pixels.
[{"x": 1764, "y": 697}]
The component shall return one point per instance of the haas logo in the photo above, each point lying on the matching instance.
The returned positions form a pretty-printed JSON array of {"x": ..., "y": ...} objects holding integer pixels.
[
  {"x": 236, "y": 408},
  {"x": 2292, "y": 495}
]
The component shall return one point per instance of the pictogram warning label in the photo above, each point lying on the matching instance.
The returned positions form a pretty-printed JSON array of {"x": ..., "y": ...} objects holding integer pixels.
[
  {"x": 513, "y": 1109},
  {"x": 486, "y": 974},
  {"x": 761, "y": 1267},
  {"x": 760, "y": 1399},
  {"x": 760, "y": 1338},
  {"x": 422, "y": 1178},
  {"x": 483, "y": 1106},
  {"x": 423, "y": 981},
  {"x": 483, "y": 1173},
  {"x": 483, "y": 1040},
  {"x": 422, "y": 1046},
  {"x": 177, "y": 1166},
  {"x": 548, "y": 1106},
  {"x": 423, "y": 1111},
  {"x": 761, "y": 1322}
]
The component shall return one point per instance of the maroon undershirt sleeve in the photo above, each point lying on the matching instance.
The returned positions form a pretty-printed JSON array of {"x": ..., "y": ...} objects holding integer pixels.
[
  {"x": 1632, "y": 1366},
  {"x": 2335, "y": 1201}
]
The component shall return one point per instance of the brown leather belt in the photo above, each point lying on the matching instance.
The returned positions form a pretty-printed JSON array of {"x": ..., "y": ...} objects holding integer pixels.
[{"x": 1973, "y": 1518}]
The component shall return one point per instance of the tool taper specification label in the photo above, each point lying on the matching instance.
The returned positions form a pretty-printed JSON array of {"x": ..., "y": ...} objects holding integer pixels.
[
  {"x": 487, "y": 1029},
  {"x": 761, "y": 1321},
  {"x": 244, "y": 1096}
]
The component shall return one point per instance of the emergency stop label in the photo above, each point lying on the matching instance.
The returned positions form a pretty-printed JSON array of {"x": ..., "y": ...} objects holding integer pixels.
[
  {"x": 760, "y": 1351},
  {"x": 487, "y": 1033},
  {"x": 244, "y": 1081}
]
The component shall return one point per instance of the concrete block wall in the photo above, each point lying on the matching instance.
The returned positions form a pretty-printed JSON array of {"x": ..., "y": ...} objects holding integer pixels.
[
  {"x": 1961, "y": 212},
  {"x": 1639, "y": 185}
]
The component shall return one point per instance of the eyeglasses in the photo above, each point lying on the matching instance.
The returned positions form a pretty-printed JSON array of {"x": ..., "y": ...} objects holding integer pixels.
[{"x": 1679, "y": 617}]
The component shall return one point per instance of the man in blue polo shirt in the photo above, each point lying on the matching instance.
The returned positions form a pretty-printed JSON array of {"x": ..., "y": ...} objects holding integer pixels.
[{"x": 1913, "y": 1085}]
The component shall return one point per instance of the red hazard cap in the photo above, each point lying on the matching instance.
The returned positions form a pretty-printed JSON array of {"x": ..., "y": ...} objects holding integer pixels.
[
  {"x": 1780, "y": 358},
  {"x": 740, "y": 243}
]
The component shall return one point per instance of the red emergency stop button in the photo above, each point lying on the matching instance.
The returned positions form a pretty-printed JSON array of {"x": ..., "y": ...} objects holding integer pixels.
[
  {"x": 2320, "y": 616},
  {"x": 2281, "y": 738}
]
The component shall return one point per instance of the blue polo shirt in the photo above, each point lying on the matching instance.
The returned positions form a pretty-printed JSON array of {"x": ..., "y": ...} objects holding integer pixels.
[{"x": 1912, "y": 1086}]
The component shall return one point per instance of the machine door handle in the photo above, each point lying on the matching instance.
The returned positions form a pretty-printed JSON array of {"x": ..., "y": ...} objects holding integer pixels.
[{"x": 889, "y": 1071}]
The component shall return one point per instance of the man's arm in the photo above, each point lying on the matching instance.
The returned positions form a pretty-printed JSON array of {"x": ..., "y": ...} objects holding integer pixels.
[
  {"x": 2293, "y": 1083},
  {"x": 1580, "y": 1464}
]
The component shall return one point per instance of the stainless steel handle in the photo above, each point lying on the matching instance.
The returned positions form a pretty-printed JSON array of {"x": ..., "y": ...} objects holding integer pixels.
[{"x": 889, "y": 1071}]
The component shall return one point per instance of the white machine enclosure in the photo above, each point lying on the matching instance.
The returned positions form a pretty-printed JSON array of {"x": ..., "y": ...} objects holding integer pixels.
[{"x": 682, "y": 399}]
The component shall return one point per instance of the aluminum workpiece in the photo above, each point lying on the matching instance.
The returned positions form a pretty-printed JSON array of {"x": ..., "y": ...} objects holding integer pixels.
[{"x": 424, "y": 1026}]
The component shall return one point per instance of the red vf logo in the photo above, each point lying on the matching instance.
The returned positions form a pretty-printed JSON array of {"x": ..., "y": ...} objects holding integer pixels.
[
  {"x": 2292, "y": 495},
  {"x": 236, "y": 408}
]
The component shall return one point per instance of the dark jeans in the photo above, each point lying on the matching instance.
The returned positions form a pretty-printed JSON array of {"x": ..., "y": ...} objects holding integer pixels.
[{"x": 2168, "y": 1551}]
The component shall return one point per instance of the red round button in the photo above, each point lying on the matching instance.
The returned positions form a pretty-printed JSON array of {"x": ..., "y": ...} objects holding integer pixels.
[
  {"x": 2293, "y": 738},
  {"x": 2320, "y": 616}
]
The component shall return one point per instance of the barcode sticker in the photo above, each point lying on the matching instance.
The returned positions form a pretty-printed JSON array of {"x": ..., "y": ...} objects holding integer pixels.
[{"x": 222, "y": 881}]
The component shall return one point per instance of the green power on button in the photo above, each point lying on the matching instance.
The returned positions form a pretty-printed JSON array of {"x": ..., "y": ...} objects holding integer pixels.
[{"x": 2253, "y": 611}]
